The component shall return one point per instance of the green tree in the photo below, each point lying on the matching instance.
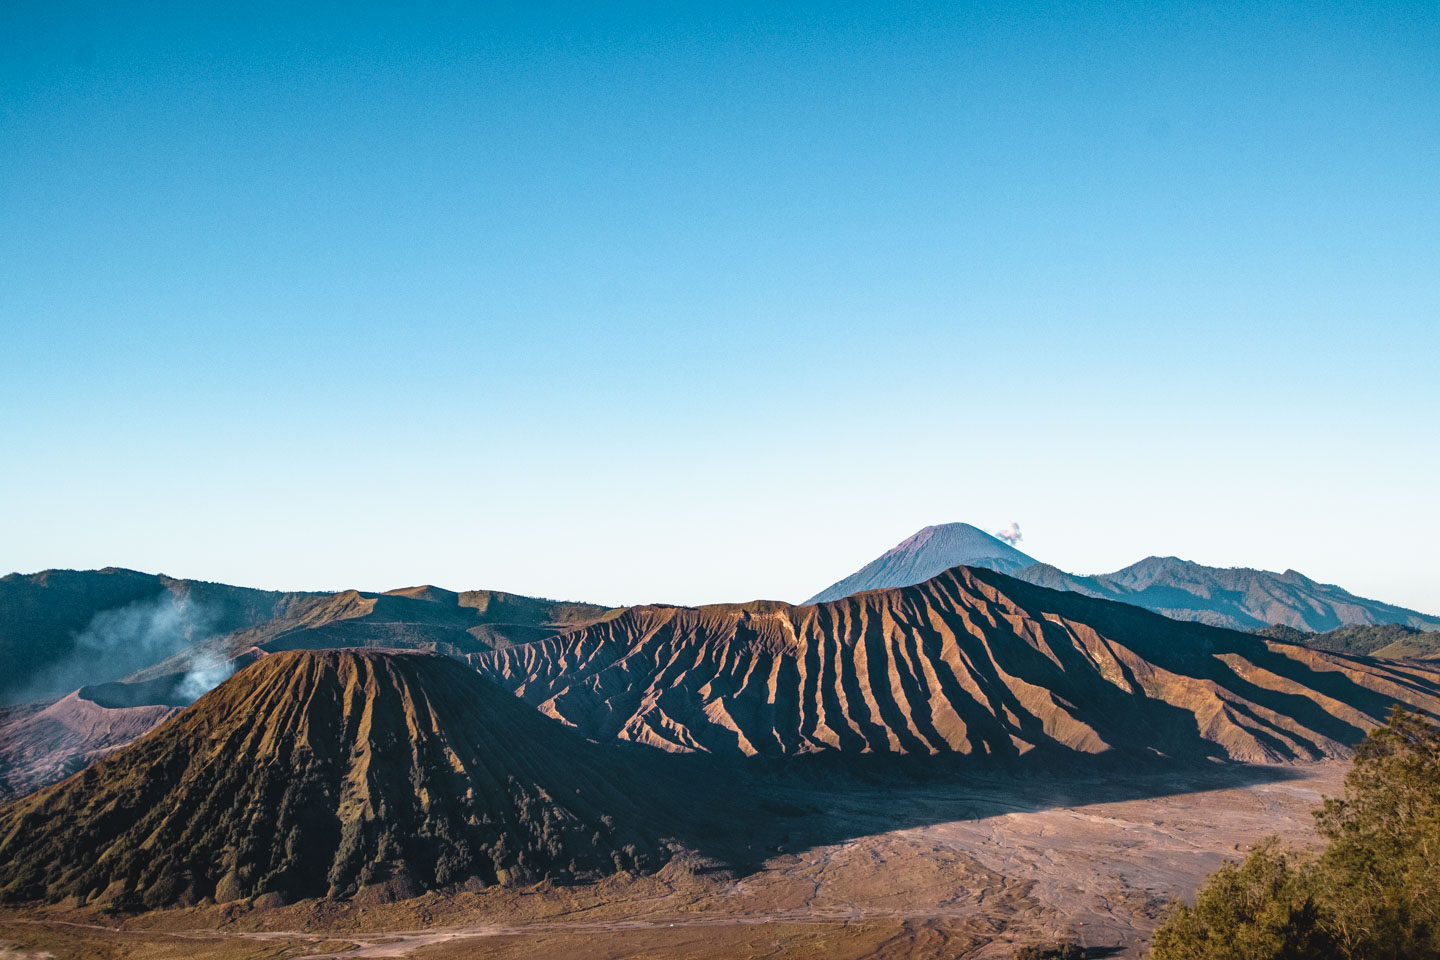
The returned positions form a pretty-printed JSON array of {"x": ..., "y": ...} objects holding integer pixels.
[
  {"x": 1372, "y": 894},
  {"x": 1263, "y": 908},
  {"x": 1380, "y": 873},
  {"x": 1064, "y": 950}
]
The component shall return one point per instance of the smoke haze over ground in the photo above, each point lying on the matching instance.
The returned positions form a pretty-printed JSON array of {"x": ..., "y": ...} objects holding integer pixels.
[{"x": 117, "y": 643}]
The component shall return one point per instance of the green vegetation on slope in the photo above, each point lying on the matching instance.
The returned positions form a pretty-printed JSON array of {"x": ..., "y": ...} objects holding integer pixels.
[
  {"x": 1393, "y": 640},
  {"x": 1371, "y": 894}
]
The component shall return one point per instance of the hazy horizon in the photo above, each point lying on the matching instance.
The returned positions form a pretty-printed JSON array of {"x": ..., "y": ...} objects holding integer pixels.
[
  {"x": 717, "y": 303},
  {"x": 462, "y": 587}
]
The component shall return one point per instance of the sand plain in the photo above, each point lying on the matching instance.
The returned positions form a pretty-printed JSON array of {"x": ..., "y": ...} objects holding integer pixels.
[{"x": 966, "y": 868}]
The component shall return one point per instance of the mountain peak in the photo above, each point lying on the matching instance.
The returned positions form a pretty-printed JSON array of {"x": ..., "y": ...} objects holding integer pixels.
[
  {"x": 426, "y": 591},
  {"x": 929, "y": 551}
]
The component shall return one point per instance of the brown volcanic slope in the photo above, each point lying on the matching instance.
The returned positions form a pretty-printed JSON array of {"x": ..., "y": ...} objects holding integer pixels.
[
  {"x": 331, "y": 773},
  {"x": 41, "y": 744},
  {"x": 1392, "y": 640},
  {"x": 970, "y": 662},
  {"x": 75, "y": 730}
]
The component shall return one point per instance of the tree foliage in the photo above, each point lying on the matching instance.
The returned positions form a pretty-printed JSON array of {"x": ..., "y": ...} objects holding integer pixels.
[
  {"x": 1373, "y": 893},
  {"x": 1379, "y": 874},
  {"x": 1064, "y": 950},
  {"x": 1263, "y": 908}
]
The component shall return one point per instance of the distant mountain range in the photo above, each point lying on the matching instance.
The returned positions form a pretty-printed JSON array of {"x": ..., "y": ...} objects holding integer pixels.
[
  {"x": 124, "y": 650},
  {"x": 1239, "y": 598},
  {"x": 61, "y": 630}
]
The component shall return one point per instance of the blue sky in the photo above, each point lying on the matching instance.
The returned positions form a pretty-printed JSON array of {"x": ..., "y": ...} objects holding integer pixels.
[{"x": 707, "y": 302}]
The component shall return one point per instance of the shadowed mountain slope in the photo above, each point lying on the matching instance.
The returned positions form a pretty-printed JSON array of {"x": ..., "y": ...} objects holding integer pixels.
[
  {"x": 46, "y": 744},
  {"x": 926, "y": 553},
  {"x": 1236, "y": 597},
  {"x": 333, "y": 773},
  {"x": 62, "y": 629},
  {"x": 970, "y": 662},
  {"x": 415, "y": 618}
]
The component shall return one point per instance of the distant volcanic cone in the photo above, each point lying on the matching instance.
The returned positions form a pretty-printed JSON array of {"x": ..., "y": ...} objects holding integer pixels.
[{"x": 339, "y": 773}]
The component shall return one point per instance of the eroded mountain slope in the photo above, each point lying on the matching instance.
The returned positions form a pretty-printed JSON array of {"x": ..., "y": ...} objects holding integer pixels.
[
  {"x": 970, "y": 662},
  {"x": 44, "y": 745},
  {"x": 333, "y": 773}
]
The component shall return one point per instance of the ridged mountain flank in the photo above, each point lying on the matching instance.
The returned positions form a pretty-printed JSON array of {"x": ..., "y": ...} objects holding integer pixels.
[
  {"x": 969, "y": 662},
  {"x": 333, "y": 773},
  {"x": 929, "y": 551}
]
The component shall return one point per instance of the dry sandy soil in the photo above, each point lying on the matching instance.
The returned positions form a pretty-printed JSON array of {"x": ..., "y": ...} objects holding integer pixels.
[{"x": 930, "y": 870}]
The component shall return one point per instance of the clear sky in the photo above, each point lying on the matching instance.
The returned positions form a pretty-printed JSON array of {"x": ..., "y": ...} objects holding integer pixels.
[{"x": 698, "y": 302}]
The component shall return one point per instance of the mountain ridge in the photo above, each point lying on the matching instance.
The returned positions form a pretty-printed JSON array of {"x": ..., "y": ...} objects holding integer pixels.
[
  {"x": 63, "y": 629},
  {"x": 1239, "y": 598},
  {"x": 971, "y": 662}
]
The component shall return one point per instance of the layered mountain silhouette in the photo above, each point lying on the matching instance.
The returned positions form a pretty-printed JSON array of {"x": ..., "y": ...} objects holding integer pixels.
[
  {"x": 1236, "y": 597},
  {"x": 341, "y": 773},
  {"x": 63, "y": 629},
  {"x": 970, "y": 662},
  {"x": 930, "y": 551}
]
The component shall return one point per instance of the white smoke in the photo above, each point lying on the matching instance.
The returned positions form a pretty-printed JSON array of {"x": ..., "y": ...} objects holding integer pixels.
[
  {"x": 1010, "y": 533},
  {"x": 118, "y": 642},
  {"x": 204, "y": 676}
]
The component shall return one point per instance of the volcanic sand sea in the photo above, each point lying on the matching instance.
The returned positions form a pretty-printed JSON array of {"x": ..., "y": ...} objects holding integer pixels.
[{"x": 988, "y": 864}]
